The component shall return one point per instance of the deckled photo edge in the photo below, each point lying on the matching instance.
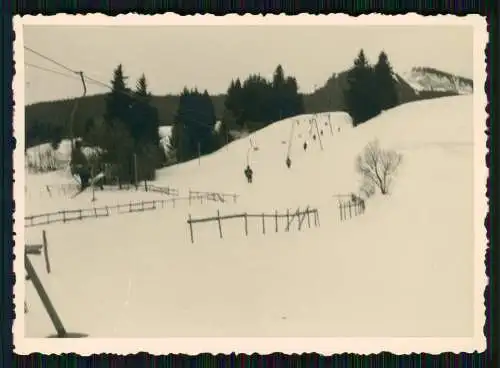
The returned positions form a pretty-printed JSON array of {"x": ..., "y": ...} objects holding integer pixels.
[{"x": 94, "y": 346}]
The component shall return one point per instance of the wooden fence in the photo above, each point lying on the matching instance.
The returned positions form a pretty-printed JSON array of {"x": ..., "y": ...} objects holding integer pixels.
[
  {"x": 65, "y": 216},
  {"x": 213, "y": 196},
  {"x": 353, "y": 207},
  {"x": 290, "y": 217},
  {"x": 72, "y": 188}
]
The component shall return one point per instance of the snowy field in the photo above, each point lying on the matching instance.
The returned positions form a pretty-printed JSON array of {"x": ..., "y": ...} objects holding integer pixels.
[{"x": 402, "y": 269}]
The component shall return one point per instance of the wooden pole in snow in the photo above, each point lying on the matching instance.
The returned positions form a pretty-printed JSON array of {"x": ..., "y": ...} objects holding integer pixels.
[
  {"x": 46, "y": 251},
  {"x": 49, "y": 307},
  {"x": 220, "y": 226},
  {"x": 135, "y": 171},
  {"x": 190, "y": 222},
  {"x": 199, "y": 154}
]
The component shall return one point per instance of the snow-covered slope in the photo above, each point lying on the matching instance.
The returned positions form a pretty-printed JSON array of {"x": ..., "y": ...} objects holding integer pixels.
[
  {"x": 165, "y": 132},
  {"x": 44, "y": 156},
  {"x": 428, "y": 79},
  {"x": 404, "y": 268}
]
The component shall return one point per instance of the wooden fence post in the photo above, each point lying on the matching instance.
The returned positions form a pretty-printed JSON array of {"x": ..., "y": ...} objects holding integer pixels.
[
  {"x": 146, "y": 185},
  {"x": 64, "y": 216},
  {"x": 317, "y": 216},
  {"x": 308, "y": 218},
  {"x": 95, "y": 213},
  {"x": 350, "y": 214},
  {"x": 46, "y": 251},
  {"x": 190, "y": 222},
  {"x": 130, "y": 206},
  {"x": 263, "y": 225},
  {"x": 234, "y": 198},
  {"x": 220, "y": 226},
  {"x": 287, "y": 219},
  {"x": 276, "y": 219},
  {"x": 107, "y": 211},
  {"x": 340, "y": 209},
  {"x": 49, "y": 307},
  {"x": 190, "y": 197},
  {"x": 246, "y": 223},
  {"x": 80, "y": 212}
]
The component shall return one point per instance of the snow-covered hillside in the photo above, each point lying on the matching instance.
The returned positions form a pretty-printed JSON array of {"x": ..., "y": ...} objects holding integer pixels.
[
  {"x": 165, "y": 132},
  {"x": 428, "y": 79},
  {"x": 44, "y": 156},
  {"x": 403, "y": 268}
]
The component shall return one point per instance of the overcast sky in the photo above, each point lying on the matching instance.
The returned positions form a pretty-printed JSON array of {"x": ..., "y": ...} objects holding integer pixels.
[{"x": 208, "y": 57}]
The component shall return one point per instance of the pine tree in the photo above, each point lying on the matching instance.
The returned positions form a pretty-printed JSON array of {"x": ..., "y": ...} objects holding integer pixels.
[
  {"x": 119, "y": 100},
  {"x": 385, "y": 85},
  {"x": 279, "y": 98},
  {"x": 193, "y": 130},
  {"x": 360, "y": 96}
]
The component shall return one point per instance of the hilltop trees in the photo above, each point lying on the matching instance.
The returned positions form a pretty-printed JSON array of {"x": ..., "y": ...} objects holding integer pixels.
[
  {"x": 385, "y": 86},
  {"x": 256, "y": 102},
  {"x": 128, "y": 133},
  {"x": 370, "y": 89},
  {"x": 360, "y": 98},
  {"x": 193, "y": 130}
]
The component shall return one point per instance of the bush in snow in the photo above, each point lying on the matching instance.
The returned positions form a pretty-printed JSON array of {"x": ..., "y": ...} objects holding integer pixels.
[{"x": 377, "y": 167}]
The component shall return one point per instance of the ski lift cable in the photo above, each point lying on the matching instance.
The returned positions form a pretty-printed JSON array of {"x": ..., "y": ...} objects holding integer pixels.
[
  {"x": 87, "y": 78},
  {"x": 51, "y": 60},
  {"x": 98, "y": 82},
  {"x": 291, "y": 138},
  {"x": 71, "y": 76}
]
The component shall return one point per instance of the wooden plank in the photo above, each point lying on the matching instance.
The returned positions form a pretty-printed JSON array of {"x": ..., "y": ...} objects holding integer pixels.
[
  {"x": 46, "y": 251},
  {"x": 33, "y": 249},
  {"x": 49, "y": 307}
]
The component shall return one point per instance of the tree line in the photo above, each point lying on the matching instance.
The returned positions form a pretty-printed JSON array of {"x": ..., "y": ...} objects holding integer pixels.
[
  {"x": 370, "y": 88},
  {"x": 127, "y": 134},
  {"x": 127, "y": 128}
]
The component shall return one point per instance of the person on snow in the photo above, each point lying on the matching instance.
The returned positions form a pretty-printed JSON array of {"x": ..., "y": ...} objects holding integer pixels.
[
  {"x": 314, "y": 137},
  {"x": 249, "y": 173},
  {"x": 288, "y": 162},
  {"x": 80, "y": 165},
  {"x": 305, "y": 146},
  {"x": 321, "y": 132}
]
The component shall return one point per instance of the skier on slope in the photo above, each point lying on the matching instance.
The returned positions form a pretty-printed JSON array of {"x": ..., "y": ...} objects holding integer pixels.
[
  {"x": 249, "y": 173},
  {"x": 80, "y": 166},
  {"x": 288, "y": 161},
  {"x": 305, "y": 146}
]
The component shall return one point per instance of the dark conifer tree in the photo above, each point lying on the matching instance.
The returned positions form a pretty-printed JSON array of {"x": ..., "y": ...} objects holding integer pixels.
[
  {"x": 360, "y": 96},
  {"x": 385, "y": 85}
]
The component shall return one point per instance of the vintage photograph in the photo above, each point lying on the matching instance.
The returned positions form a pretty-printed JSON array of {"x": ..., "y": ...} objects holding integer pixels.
[{"x": 250, "y": 177}]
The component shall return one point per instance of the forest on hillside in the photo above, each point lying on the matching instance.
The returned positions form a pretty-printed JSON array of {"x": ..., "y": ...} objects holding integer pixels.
[
  {"x": 47, "y": 121},
  {"x": 124, "y": 123}
]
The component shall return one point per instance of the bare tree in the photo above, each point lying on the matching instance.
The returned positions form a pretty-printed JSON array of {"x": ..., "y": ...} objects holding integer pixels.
[{"x": 378, "y": 167}]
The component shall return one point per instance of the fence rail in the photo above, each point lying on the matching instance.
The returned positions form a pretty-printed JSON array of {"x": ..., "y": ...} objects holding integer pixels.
[
  {"x": 65, "y": 216},
  {"x": 298, "y": 214},
  {"x": 214, "y": 196},
  {"x": 71, "y": 188}
]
